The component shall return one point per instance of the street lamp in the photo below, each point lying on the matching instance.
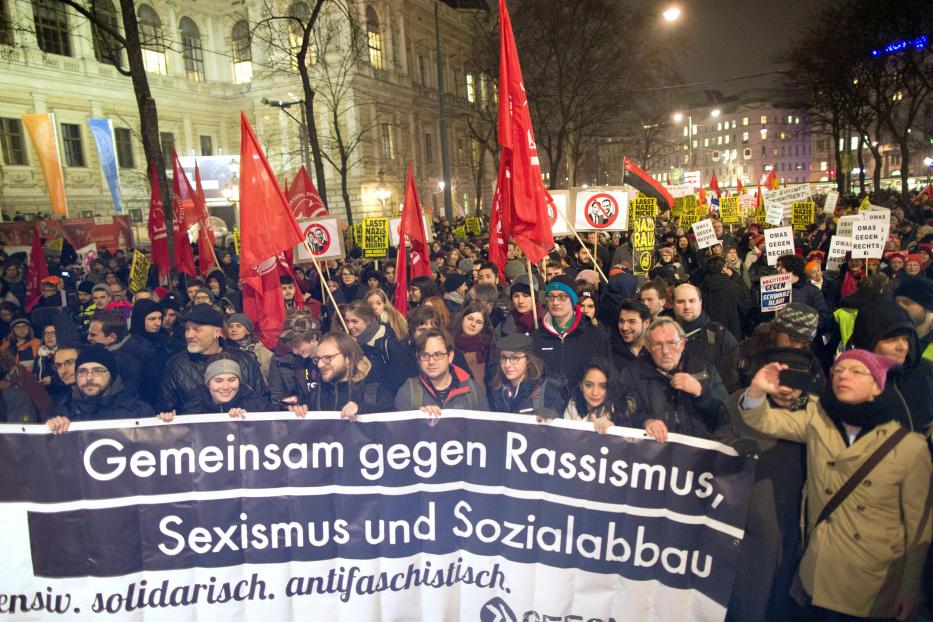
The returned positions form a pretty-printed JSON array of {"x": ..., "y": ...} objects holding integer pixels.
[
  {"x": 302, "y": 122},
  {"x": 383, "y": 193},
  {"x": 715, "y": 113},
  {"x": 672, "y": 14}
]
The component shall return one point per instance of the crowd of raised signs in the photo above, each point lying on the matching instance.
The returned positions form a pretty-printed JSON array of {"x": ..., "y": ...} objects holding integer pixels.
[{"x": 814, "y": 391}]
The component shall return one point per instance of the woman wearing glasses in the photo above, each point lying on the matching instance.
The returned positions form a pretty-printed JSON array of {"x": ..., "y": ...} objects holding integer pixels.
[
  {"x": 868, "y": 527},
  {"x": 518, "y": 386}
]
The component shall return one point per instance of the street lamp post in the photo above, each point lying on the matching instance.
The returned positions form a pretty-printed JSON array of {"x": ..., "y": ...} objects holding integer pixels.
[
  {"x": 442, "y": 117},
  {"x": 301, "y": 120}
]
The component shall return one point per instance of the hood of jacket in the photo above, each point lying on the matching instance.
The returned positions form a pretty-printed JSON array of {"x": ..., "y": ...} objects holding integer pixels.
[{"x": 879, "y": 319}]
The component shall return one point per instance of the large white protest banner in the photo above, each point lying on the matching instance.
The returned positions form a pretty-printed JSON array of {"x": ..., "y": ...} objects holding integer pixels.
[{"x": 385, "y": 518}]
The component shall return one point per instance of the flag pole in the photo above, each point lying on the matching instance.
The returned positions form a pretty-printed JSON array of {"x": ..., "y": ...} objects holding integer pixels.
[
  {"x": 326, "y": 286},
  {"x": 531, "y": 285},
  {"x": 583, "y": 244}
]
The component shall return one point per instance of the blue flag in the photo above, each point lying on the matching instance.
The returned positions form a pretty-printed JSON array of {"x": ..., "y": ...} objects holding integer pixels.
[{"x": 103, "y": 136}]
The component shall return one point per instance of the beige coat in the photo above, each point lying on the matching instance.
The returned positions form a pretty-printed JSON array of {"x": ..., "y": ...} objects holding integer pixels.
[{"x": 872, "y": 548}]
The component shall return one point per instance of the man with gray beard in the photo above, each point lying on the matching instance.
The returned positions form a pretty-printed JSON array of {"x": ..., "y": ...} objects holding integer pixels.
[{"x": 184, "y": 373}]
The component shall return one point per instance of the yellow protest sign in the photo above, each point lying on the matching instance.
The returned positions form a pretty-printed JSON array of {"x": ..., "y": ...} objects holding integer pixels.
[
  {"x": 644, "y": 207},
  {"x": 729, "y": 210},
  {"x": 473, "y": 226},
  {"x": 643, "y": 245},
  {"x": 236, "y": 241},
  {"x": 459, "y": 232},
  {"x": 802, "y": 214},
  {"x": 375, "y": 237},
  {"x": 678, "y": 208},
  {"x": 865, "y": 204},
  {"x": 139, "y": 271}
]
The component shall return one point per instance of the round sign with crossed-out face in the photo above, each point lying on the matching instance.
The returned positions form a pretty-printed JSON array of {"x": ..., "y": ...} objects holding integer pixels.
[
  {"x": 601, "y": 211},
  {"x": 318, "y": 238}
]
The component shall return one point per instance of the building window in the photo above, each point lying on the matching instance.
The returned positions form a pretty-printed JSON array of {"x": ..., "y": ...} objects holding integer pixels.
[
  {"x": 715, "y": 156},
  {"x": 6, "y": 27},
  {"x": 727, "y": 139},
  {"x": 300, "y": 13},
  {"x": 124, "y": 143},
  {"x": 744, "y": 120},
  {"x": 471, "y": 88},
  {"x": 428, "y": 148},
  {"x": 824, "y": 166},
  {"x": 151, "y": 40},
  {"x": 71, "y": 140},
  {"x": 719, "y": 126},
  {"x": 191, "y": 49},
  {"x": 388, "y": 142},
  {"x": 423, "y": 70},
  {"x": 744, "y": 138},
  {"x": 706, "y": 142},
  {"x": 207, "y": 146},
  {"x": 374, "y": 38},
  {"x": 764, "y": 119},
  {"x": 167, "y": 140},
  {"x": 764, "y": 151},
  {"x": 747, "y": 153},
  {"x": 11, "y": 139},
  {"x": 242, "y": 53},
  {"x": 764, "y": 133},
  {"x": 461, "y": 152},
  {"x": 106, "y": 47},
  {"x": 52, "y": 31}
]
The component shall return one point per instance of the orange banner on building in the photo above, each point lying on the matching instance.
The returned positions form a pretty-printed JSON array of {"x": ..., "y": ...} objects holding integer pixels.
[{"x": 41, "y": 129}]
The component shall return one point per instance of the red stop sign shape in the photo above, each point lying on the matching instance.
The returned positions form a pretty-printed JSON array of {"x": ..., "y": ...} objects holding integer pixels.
[
  {"x": 601, "y": 211},
  {"x": 318, "y": 238}
]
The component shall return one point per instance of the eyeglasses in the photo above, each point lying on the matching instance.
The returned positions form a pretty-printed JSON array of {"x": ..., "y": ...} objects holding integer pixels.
[
  {"x": 557, "y": 297},
  {"x": 97, "y": 372},
  {"x": 64, "y": 364},
  {"x": 326, "y": 358},
  {"x": 661, "y": 346},
  {"x": 512, "y": 360},
  {"x": 851, "y": 369},
  {"x": 437, "y": 357}
]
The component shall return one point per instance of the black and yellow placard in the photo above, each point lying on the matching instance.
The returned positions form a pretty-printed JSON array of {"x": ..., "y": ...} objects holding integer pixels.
[
  {"x": 643, "y": 245},
  {"x": 729, "y": 210},
  {"x": 802, "y": 214},
  {"x": 375, "y": 237},
  {"x": 473, "y": 226}
]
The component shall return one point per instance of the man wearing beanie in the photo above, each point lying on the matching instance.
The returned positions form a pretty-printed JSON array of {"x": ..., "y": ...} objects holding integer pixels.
[
  {"x": 883, "y": 327},
  {"x": 563, "y": 341},
  {"x": 184, "y": 374},
  {"x": 916, "y": 296},
  {"x": 239, "y": 331},
  {"x": 865, "y": 553},
  {"x": 455, "y": 286},
  {"x": 97, "y": 394}
]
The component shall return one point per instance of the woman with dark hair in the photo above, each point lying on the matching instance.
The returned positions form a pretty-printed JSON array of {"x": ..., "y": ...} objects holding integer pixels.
[
  {"x": 472, "y": 332},
  {"x": 389, "y": 357},
  {"x": 349, "y": 289},
  {"x": 596, "y": 397},
  {"x": 588, "y": 303},
  {"x": 518, "y": 385},
  {"x": 689, "y": 258}
]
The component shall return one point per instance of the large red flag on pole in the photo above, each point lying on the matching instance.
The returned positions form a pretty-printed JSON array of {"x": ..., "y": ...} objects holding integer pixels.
[
  {"x": 410, "y": 232},
  {"x": 303, "y": 198},
  {"x": 158, "y": 236},
  {"x": 184, "y": 214},
  {"x": 499, "y": 225},
  {"x": 207, "y": 260},
  {"x": 714, "y": 185},
  {"x": 771, "y": 182},
  {"x": 519, "y": 189},
  {"x": 267, "y": 229},
  {"x": 38, "y": 270}
]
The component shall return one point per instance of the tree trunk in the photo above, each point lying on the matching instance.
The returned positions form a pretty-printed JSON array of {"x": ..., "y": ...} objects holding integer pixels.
[
  {"x": 905, "y": 165},
  {"x": 837, "y": 153},
  {"x": 148, "y": 120},
  {"x": 480, "y": 175},
  {"x": 879, "y": 162},
  {"x": 345, "y": 190},
  {"x": 312, "y": 131},
  {"x": 861, "y": 168}
]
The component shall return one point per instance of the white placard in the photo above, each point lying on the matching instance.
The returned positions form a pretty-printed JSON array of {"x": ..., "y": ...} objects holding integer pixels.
[
  {"x": 705, "y": 234},
  {"x": 323, "y": 234},
  {"x": 775, "y": 292},
  {"x": 601, "y": 210},
  {"x": 838, "y": 247},
  {"x": 779, "y": 241},
  {"x": 786, "y": 196},
  {"x": 774, "y": 214},
  {"x": 868, "y": 238},
  {"x": 844, "y": 226},
  {"x": 748, "y": 203},
  {"x": 395, "y": 223},
  {"x": 829, "y": 205},
  {"x": 680, "y": 190},
  {"x": 558, "y": 222}
]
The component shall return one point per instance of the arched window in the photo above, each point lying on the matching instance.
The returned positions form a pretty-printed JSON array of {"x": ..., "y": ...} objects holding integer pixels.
[
  {"x": 52, "y": 31},
  {"x": 242, "y": 53},
  {"x": 191, "y": 49},
  {"x": 151, "y": 40},
  {"x": 374, "y": 38},
  {"x": 106, "y": 48},
  {"x": 296, "y": 30}
]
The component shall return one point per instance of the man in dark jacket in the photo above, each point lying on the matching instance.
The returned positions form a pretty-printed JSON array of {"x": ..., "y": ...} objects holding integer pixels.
[
  {"x": 674, "y": 392},
  {"x": 132, "y": 353},
  {"x": 184, "y": 373},
  {"x": 885, "y": 328},
  {"x": 98, "y": 393},
  {"x": 293, "y": 374},
  {"x": 727, "y": 300},
  {"x": 628, "y": 341},
  {"x": 441, "y": 384},
  {"x": 706, "y": 339},
  {"x": 563, "y": 341}
]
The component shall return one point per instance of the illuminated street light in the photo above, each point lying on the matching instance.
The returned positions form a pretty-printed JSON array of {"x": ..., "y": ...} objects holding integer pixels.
[
  {"x": 678, "y": 117},
  {"x": 715, "y": 113},
  {"x": 672, "y": 14}
]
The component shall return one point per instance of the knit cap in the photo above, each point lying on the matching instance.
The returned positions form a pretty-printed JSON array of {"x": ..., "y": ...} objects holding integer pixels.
[
  {"x": 562, "y": 283},
  {"x": 222, "y": 366},
  {"x": 877, "y": 364},
  {"x": 798, "y": 320},
  {"x": 241, "y": 318},
  {"x": 97, "y": 354}
]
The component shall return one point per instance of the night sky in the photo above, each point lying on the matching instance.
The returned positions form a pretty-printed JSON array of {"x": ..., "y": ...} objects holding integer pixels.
[{"x": 731, "y": 38}]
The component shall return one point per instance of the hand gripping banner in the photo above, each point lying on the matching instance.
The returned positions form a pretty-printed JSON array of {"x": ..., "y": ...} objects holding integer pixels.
[{"x": 483, "y": 516}]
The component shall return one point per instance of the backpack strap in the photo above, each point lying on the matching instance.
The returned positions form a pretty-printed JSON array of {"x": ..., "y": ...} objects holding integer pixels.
[
  {"x": 417, "y": 393},
  {"x": 370, "y": 391},
  {"x": 856, "y": 478}
]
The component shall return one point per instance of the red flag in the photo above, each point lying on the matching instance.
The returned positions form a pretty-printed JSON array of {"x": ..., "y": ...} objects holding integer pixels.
[
  {"x": 499, "y": 225},
  {"x": 702, "y": 198},
  {"x": 760, "y": 198},
  {"x": 267, "y": 229},
  {"x": 183, "y": 204},
  {"x": 714, "y": 185},
  {"x": 639, "y": 179},
  {"x": 520, "y": 189},
  {"x": 303, "y": 198},
  {"x": 771, "y": 182},
  {"x": 739, "y": 189},
  {"x": 157, "y": 235},
  {"x": 410, "y": 230},
  {"x": 38, "y": 270},
  {"x": 924, "y": 195},
  {"x": 206, "y": 240}
]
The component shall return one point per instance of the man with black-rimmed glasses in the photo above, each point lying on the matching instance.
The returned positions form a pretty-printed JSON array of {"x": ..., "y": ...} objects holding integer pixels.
[{"x": 441, "y": 384}]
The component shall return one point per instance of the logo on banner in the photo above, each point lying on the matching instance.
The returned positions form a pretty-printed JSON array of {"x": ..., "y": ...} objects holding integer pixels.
[
  {"x": 497, "y": 610},
  {"x": 318, "y": 238},
  {"x": 601, "y": 211}
]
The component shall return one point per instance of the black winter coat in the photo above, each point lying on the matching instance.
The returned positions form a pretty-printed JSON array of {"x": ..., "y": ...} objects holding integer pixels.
[
  {"x": 654, "y": 398},
  {"x": 389, "y": 357},
  {"x": 290, "y": 375},
  {"x": 371, "y": 397},
  {"x": 565, "y": 355},
  {"x": 727, "y": 301},
  {"x": 114, "y": 403},
  {"x": 245, "y": 398},
  {"x": 523, "y": 401},
  {"x": 184, "y": 375}
]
